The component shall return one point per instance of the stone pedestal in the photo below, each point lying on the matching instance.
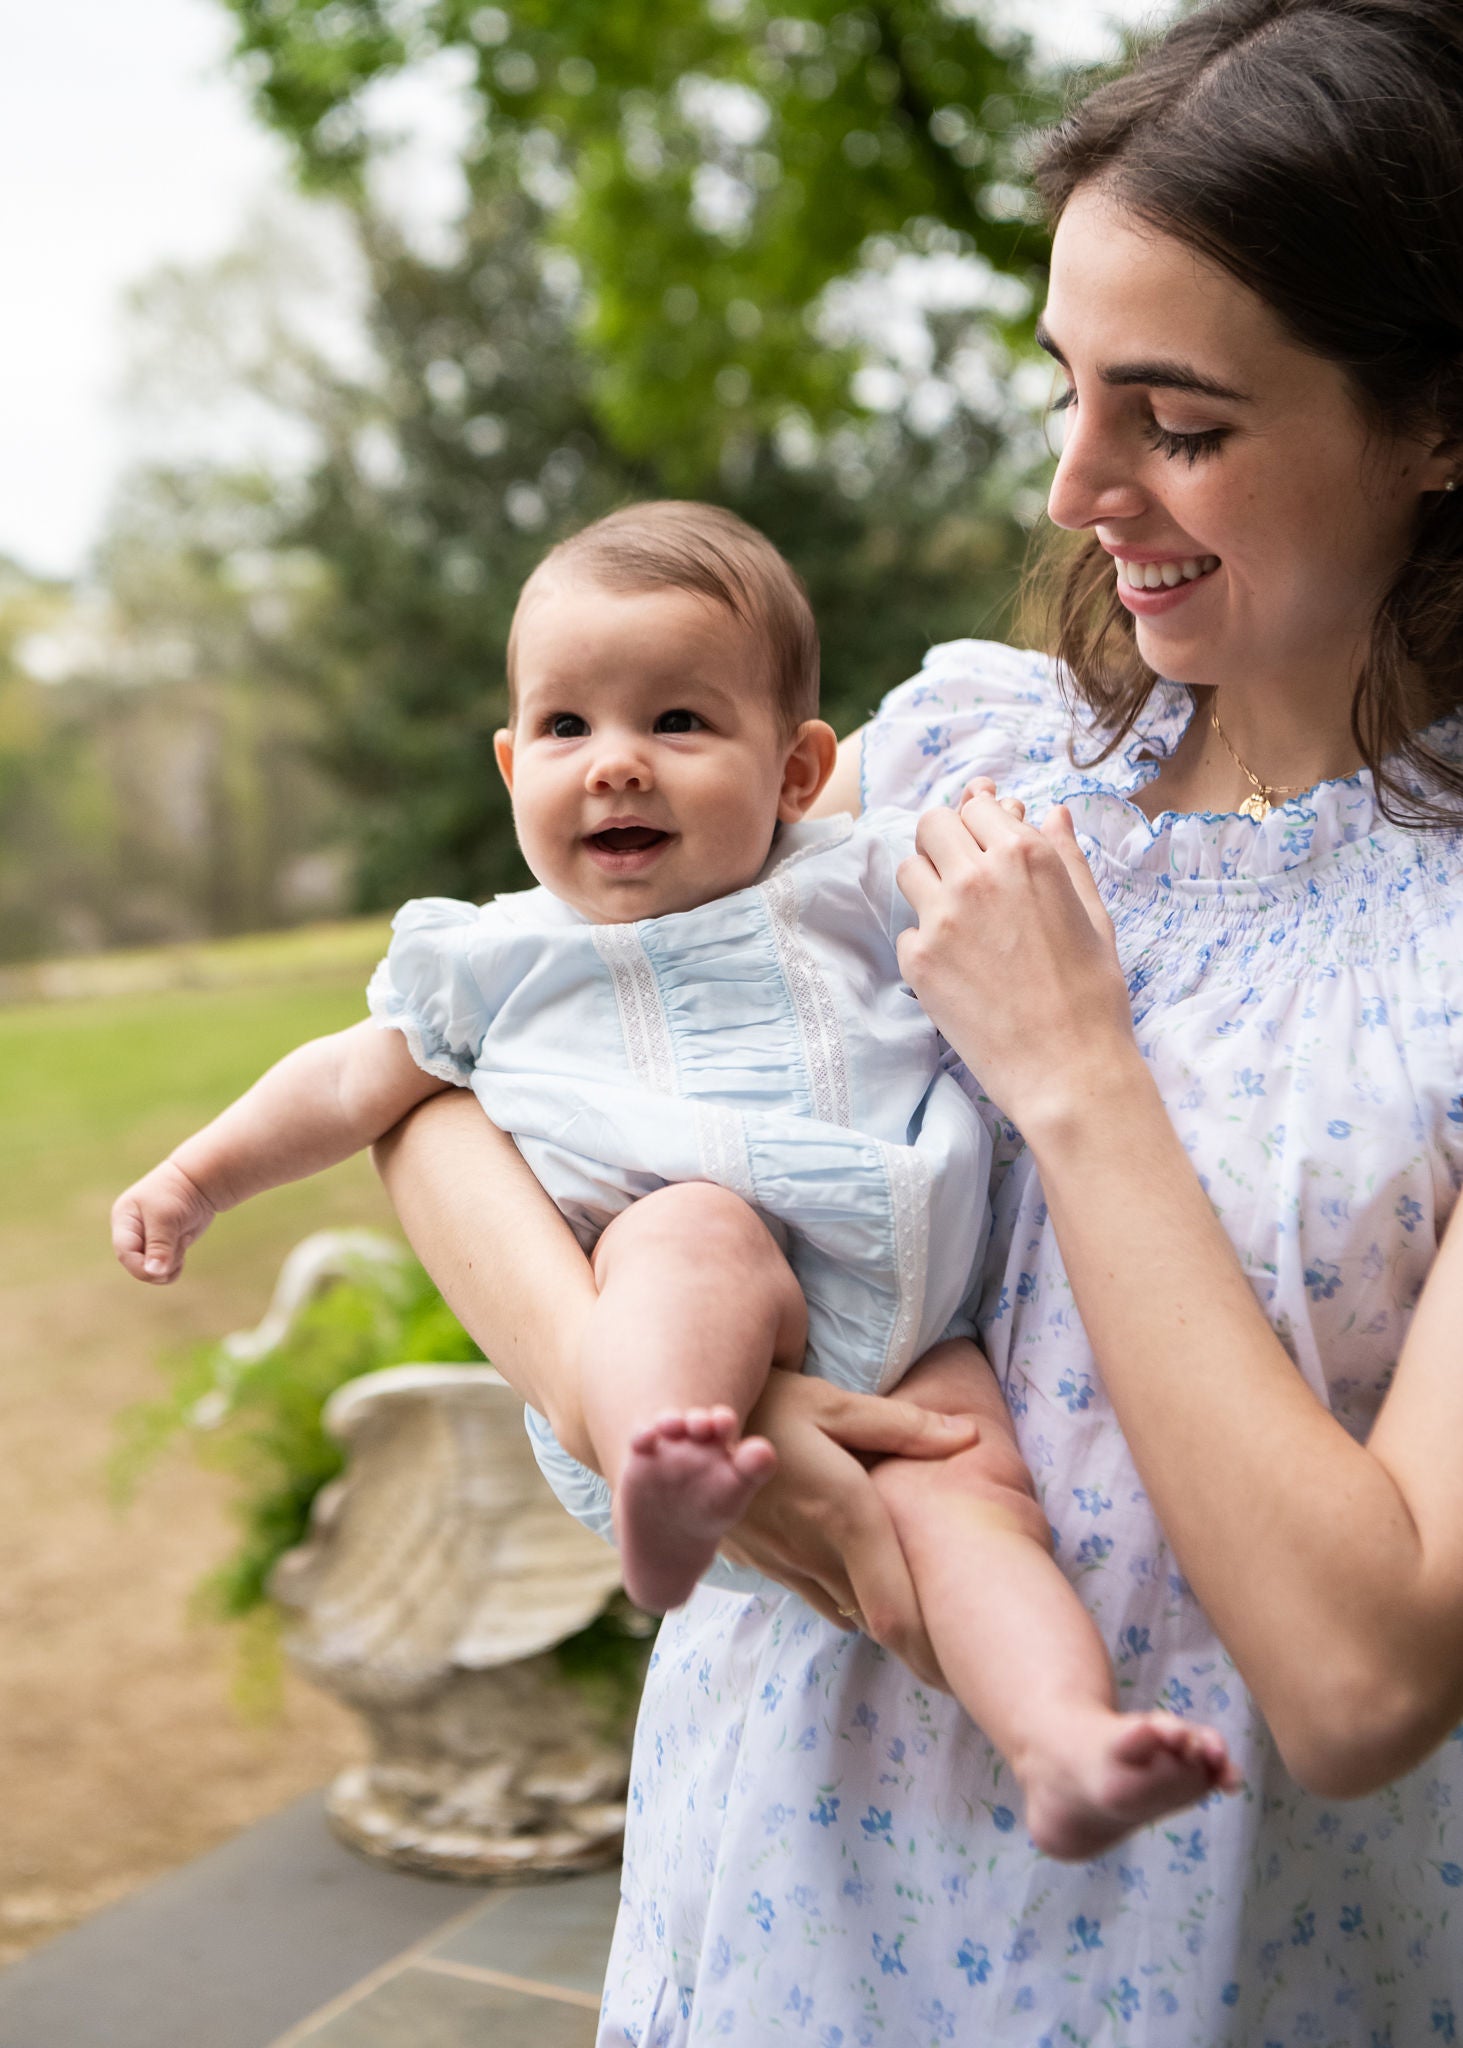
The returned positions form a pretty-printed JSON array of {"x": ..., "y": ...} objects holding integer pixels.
[{"x": 438, "y": 1576}]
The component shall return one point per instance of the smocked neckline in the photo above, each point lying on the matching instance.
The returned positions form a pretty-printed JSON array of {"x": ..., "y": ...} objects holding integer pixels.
[{"x": 1298, "y": 834}]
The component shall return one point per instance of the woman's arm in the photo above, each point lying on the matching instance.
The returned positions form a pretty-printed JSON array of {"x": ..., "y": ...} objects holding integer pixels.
[
  {"x": 1332, "y": 1571},
  {"x": 507, "y": 1263},
  {"x": 511, "y": 1270}
]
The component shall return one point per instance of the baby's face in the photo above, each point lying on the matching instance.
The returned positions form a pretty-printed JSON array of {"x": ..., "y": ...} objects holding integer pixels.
[{"x": 646, "y": 760}]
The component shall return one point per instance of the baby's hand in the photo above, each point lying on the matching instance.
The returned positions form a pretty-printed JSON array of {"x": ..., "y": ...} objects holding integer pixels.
[{"x": 156, "y": 1220}]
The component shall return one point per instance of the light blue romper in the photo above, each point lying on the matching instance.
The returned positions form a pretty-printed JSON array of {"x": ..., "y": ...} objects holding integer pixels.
[{"x": 764, "y": 1042}]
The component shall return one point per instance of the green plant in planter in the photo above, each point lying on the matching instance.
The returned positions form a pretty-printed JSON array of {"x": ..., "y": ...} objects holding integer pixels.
[{"x": 252, "y": 1406}]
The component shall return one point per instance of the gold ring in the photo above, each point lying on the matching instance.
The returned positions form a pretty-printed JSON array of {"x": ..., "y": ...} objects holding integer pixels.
[{"x": 852, "y": 1614}]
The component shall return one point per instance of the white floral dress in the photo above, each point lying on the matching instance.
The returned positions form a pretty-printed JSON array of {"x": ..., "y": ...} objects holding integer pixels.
[{"x": 821, "y": 1850}]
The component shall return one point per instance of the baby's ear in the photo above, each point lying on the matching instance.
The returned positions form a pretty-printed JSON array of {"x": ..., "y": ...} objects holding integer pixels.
[
  {"x": 810, "y": 759},
  {"x": 503, "y": 754}
]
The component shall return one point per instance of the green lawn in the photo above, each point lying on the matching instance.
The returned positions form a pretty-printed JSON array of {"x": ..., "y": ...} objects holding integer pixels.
[
  {"x": 97, "y": 1657},
  {"x": 94, "y": 1089}
]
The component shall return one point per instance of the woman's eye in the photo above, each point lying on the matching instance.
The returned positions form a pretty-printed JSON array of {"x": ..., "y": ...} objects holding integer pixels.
[
  {"x": 1060, "y": 402},
  {"x": 678, "y": 721},
  {"x": 567, "y": 725},
  {"x": 1189, "y": 448}
]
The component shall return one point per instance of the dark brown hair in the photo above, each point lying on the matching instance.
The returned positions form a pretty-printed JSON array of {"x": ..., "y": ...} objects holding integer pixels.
[
  {"x": 1314, "y": 150},
  {"x": 676, "y": 544}
]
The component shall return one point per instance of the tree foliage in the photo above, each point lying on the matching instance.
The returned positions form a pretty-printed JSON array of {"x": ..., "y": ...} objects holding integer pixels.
[
  {"x": 476, "y": 445},
  {"x": 712, "y": 166},
  {"x": 684, "y": 229},
  {"x": 777, "y": 259}
]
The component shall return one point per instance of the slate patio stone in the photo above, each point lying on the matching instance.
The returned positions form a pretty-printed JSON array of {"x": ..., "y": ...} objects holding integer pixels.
[
  {"x": 282, "y": 1935},
  {"x": 425, "y": 2008}
]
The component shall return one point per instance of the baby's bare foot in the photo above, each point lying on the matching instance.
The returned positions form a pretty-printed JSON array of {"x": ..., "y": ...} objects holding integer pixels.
[
  {"x": 1108, "y": 1773},
  {"x": 686, "y": 1481}
]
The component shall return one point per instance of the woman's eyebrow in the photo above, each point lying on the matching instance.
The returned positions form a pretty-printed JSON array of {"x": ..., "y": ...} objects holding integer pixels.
[{"x": 1160, "y": 374}]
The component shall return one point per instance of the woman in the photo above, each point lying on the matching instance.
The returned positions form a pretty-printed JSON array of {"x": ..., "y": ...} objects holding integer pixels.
[{"x": 1226, "y": 1313}]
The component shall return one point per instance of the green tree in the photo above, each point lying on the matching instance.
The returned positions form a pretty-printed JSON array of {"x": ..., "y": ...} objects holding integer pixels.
[
  {"x": 712, "y": 166},
  {"x": 475, "y": 447},
  {"x": 682, "y": 237},
  {"x": 441, "y": 478}
]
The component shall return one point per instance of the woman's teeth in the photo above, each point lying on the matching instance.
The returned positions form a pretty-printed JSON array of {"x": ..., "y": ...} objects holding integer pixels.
[{"x": 1165, "y": 575}]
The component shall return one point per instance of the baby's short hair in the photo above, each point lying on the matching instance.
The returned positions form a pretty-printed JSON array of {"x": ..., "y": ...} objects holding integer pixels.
[{"x": 677, "y": 544}]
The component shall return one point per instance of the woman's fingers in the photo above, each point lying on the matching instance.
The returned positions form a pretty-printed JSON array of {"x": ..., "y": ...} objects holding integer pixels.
[
  {"x": 819, "y": 1526},
  {"x": 943, "y": 839},
  {"x": 835, "y": 1601},
  {"x": 823, "y": 1602},
  {"x": 892, "y": 1428},
  {"x": 991, "y": 820},
  {"x": 885, "y": 1601},
  {"x": 1058, "y": 829}
]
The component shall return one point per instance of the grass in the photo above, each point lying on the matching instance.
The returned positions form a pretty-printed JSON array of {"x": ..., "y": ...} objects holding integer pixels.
[
  {"x": 97, "y": 1660},
  {"x": 96, "y": 1088}
]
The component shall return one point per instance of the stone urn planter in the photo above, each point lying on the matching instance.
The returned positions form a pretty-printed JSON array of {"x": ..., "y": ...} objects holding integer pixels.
[{"x": 438, "y": 1577}]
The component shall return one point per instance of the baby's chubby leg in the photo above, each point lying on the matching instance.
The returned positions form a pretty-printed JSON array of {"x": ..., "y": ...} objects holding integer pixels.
[
  {"x": 1017, "y": 1647},
  {"x": 696, "y": 1304}
]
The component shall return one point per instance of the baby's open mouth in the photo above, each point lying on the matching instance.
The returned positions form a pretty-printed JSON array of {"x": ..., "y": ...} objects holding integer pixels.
[{"x": 627, "y": 839}]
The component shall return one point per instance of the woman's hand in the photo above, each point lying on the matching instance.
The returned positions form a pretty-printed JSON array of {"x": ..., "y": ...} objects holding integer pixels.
[
  {"x": 819, "y": 1527},
  {"x": 1014, "y": 957}
]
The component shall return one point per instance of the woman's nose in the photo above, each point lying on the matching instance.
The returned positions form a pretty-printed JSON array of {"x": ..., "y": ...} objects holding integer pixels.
[{"x": 1094, "y": 480}]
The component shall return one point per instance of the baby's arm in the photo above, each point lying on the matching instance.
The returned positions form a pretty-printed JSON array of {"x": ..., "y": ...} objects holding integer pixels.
[{"x": 321, "y": 1103}]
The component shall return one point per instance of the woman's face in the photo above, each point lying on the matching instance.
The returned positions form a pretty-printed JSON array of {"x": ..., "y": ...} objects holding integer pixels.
[{"x": 1216, "y": 459}]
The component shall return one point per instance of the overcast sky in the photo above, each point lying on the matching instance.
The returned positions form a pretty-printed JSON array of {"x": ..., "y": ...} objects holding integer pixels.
[{"x": 125, "y": 144}]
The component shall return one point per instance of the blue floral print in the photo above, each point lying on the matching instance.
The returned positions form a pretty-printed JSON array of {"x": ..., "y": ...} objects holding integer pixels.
[{"x": 1298, "y": 994}]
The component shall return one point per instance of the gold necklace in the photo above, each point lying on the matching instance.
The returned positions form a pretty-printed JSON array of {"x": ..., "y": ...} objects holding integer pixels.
[{"x": 1258, "y": 803}]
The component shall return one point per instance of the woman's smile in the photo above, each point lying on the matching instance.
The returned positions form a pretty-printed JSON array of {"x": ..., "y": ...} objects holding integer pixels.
[{"x": 1152, "y": 584}]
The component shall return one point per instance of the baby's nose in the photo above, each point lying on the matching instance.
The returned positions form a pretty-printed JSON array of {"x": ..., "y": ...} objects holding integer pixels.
[{"x": 620, "y": 766}]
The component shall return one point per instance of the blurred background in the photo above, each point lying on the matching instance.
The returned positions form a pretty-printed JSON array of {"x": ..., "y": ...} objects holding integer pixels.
[{"x": 326, "y": 318}]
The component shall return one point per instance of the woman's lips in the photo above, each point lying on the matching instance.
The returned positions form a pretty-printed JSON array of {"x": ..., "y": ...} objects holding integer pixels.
[{"x": 1153, "y": 586}]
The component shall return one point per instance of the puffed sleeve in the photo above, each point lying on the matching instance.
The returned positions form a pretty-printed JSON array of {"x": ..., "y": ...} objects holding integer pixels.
[
  {"x": 431, "y": 985},
  {"x": 975, "y": 708}
]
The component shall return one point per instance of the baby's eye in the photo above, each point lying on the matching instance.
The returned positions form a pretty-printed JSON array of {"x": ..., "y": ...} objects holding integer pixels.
[
  {"x": 568, "y": 725},
  {"x": 678, "y": 721}
]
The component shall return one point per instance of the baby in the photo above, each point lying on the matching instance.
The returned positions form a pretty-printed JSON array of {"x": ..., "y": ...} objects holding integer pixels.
[{"x": 702, "y": 1003}]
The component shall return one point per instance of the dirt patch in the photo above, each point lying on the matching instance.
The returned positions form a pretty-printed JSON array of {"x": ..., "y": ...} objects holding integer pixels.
[{"x": 125, "y": 1754}]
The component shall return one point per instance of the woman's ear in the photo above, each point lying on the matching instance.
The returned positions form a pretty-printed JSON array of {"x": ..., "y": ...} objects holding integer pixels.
[
  {"x": 503, "y": 754},
  {"x": 809, "y": 762}
]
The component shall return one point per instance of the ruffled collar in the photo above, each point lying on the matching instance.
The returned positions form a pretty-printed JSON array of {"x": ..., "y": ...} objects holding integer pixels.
[{"x": 1218, "y": 846}]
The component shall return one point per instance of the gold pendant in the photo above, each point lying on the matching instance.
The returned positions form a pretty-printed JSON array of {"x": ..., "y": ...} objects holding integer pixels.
[{"x": 1257, "y": 805}]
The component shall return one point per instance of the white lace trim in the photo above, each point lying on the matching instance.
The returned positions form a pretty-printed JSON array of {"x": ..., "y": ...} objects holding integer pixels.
[
  {"x": 440, "y": 1065},
  {"x": 812, "y": 1005},
  {"x": 721, "y": 1138},
  {"x": 642, "y": 1015},
  {"x": 822, "y": 834},
  {"x": 910, "y": 1184}
]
